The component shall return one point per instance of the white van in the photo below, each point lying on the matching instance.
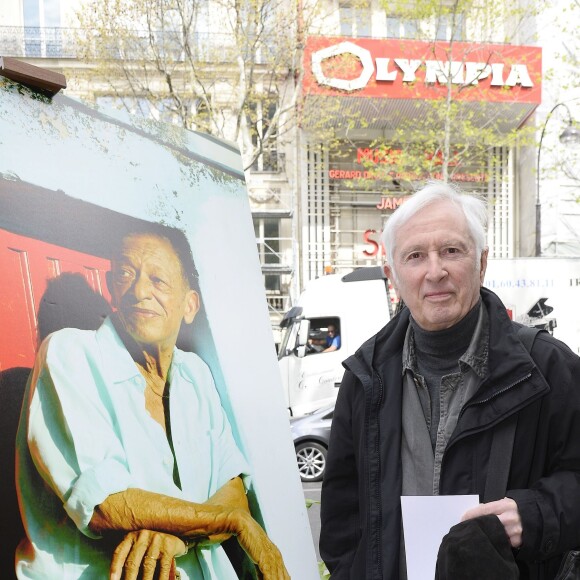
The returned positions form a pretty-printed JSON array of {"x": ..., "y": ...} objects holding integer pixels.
[
  {"x": 358, "y": 305},
  {"x": 539, "y": 292}
]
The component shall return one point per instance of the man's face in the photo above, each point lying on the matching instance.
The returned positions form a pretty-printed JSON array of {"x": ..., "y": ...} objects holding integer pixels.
[
  {"x": 150, "y": 292},
  {"x": 437, "y": 272}
]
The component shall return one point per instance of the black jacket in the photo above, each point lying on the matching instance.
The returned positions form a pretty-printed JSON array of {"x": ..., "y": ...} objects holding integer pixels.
[{"x": 360, "y": 512}]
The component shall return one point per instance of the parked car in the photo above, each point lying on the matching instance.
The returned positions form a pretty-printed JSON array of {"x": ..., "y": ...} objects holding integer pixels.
[{"x": 311, "y": 433}]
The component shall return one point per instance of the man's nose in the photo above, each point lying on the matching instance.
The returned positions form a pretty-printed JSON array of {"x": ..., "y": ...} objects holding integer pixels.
[
  {"x": 141, "y": 288},
  {"x": 435, "y": 267}
]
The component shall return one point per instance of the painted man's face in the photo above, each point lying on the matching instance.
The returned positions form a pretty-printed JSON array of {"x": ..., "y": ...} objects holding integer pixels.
[{"x": 150, "y": 291}]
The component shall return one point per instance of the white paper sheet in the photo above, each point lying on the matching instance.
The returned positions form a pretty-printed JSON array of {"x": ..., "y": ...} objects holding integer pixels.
[{"x": 426, "y": 519}]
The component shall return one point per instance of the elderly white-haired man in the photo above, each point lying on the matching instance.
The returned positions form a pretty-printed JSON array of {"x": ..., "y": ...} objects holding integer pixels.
[{"x": 420, "y": 401}]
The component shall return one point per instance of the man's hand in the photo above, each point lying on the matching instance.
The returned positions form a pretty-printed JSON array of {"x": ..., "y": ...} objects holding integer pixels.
[
  {"x": 506, "y": 510},
  {"x": 260, "y": 548},
  {"x": 224, "y": 514},
  {"x": 147, "y": 552}
]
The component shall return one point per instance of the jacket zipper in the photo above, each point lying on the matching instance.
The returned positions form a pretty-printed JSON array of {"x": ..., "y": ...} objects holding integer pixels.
[
  {"x": 496, "y": 394},
  {"x": 378, "y": 479},
  {"x": 483, "y": 401}
]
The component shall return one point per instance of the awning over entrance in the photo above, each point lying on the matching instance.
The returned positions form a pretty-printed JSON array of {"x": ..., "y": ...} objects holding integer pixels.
[{"x": 376, "y": 114}]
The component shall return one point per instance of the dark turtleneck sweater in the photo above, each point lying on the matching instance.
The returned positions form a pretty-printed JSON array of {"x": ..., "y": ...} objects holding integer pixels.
[{"x": 438, "y": 353}]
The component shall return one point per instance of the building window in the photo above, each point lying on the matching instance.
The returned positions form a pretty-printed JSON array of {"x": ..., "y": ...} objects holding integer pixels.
[
  {"x": 355, "y": 20},
  {"x": 267, "y": 232},
  {"x": 272, "y": 283},
  {"x": 42, "y": 34},
  {"x": 398, "y": 27},
  {"x": 450, "y": 27}
]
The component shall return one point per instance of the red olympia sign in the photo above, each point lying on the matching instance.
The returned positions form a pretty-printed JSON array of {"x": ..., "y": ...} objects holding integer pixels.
[{"x": 411, "y": 69}]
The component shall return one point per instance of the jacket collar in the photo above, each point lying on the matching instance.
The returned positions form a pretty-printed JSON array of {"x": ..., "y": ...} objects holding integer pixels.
[
  {"x": 386, "y": 343},
  {"x": 514, "y": 377},
  {"x": 475, "y": 357},
  {"x": 514, "y": 380}
]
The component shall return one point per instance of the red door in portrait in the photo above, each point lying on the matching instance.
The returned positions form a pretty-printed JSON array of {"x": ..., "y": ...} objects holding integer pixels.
[{"x": 27, "y": 266}]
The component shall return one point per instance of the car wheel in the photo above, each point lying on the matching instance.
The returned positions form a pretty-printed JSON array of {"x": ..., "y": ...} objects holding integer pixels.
[{"x": 311, "y": 459}]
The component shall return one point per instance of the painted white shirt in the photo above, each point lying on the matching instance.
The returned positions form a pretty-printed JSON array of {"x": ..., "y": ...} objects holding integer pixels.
[{"x": 85, "y": 433}]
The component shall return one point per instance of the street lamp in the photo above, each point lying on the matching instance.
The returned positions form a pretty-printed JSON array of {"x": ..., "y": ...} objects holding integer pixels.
[{"x": 570, "y": 136}]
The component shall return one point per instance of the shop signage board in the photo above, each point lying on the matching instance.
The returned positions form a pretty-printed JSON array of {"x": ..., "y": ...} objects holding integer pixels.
[{"x": 413, "y": 69}]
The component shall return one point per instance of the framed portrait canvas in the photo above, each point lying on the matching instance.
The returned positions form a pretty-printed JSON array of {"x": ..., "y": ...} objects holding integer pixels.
[{"x": 113, "y": 228}]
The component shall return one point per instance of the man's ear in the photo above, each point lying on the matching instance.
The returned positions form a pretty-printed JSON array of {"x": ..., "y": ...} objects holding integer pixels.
[
  {"x": 391, "y": 277},
  {"x": 389, "y": 274},
  {"x": 483, "y": 265},
  {"x": 192, "y": 303}
]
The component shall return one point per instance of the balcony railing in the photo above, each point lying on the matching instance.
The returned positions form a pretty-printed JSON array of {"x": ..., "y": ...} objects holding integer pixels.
[
  {"x": 38, "y": 42},
  {"x": 278, "y": 305},
  {"x": 56, "y": 42},
  {"x": 275, "y": 255}
]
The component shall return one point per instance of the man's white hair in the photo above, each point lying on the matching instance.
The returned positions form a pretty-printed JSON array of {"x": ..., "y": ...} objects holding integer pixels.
[{"x": 474, "y": 208}]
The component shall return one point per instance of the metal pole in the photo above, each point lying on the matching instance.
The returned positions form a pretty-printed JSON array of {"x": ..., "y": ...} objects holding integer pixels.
[
  {"x": 538, "y": 203},
  {"x": 538, "y": 228}
]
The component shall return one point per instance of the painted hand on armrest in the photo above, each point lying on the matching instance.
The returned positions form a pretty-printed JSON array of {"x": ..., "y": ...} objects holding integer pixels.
[
  {"x": 224, "y": 514},
  {"x": 146, "y": 554},
  {"x": 261, "y": 549}
]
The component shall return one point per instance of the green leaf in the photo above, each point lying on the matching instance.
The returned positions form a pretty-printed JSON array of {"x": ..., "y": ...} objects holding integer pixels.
[{"x": 324, "y": 573}]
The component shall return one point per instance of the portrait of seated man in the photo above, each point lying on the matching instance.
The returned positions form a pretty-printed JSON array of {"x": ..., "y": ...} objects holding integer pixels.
[{"x": 126, "y": 462}]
